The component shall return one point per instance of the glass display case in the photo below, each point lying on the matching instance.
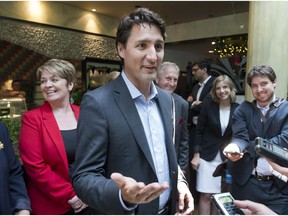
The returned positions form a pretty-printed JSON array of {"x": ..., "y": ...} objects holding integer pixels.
[{"x": 12, "y": 107}]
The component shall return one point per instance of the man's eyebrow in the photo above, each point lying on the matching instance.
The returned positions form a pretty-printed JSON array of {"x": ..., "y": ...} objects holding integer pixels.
[{"x": 148, "y": 40}]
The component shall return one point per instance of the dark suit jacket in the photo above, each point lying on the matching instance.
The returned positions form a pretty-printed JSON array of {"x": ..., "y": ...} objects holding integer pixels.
[
  {"x": 181, "y": 130},
  {"x": 13, "y": 194},
  {"x": 208, "y": 135},
  {"x": 247, "y": 126},
  {"x": 112, "y": 139},
  {"x": 45, "y": 161},
  {"x": 205, "y": 94}
]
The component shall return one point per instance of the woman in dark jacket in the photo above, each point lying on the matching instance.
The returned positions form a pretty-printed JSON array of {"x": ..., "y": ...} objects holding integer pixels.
[
  {"x": 13, "y": 194},
  {"x": 213, "y": 133}
]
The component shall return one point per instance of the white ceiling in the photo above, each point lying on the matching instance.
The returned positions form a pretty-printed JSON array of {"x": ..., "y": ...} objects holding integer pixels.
[{"x": 174, "y": 12}]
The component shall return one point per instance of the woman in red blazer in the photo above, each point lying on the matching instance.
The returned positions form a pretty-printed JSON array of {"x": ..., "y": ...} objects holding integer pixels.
[{"x": 47, "y": 142}]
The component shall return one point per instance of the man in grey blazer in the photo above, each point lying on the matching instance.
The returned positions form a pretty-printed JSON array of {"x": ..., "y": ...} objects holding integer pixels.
[
  {"x": 167, "y": 79},
  {"x": 125, "y": 160},
  {"x": 266, "y": 117}
]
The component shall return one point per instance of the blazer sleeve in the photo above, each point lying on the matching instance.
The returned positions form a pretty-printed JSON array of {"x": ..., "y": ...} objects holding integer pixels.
[
  {"x": 202, "y": 119},
  {"x": 183, "y": 152},
  {"x": 35, "y": 156},
  {"x": 89, "y": 176},
  {"x": 19, "y": 199},
  {"x": 239, "y": 126}
]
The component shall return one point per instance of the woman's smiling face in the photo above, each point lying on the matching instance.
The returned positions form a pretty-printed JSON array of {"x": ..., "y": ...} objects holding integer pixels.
[{"x": 54, "y": 88}]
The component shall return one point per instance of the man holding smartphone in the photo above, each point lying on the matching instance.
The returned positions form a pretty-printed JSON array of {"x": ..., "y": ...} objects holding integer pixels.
[{"x": 266, "y": 117}]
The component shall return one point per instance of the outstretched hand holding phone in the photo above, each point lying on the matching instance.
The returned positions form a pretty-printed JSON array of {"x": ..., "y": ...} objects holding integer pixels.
[{"x": 232, "y": 152}]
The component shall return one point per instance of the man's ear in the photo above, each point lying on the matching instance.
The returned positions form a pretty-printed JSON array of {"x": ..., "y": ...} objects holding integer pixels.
[
  {"x": 274, "y": 83},
  {"x": 121, "y": 50},
  {"x": 156, "y": 80},
  {"x": 205, "y": 69}
]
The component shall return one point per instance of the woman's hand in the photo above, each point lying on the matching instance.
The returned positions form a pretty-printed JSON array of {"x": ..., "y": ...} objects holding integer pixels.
[
  {"x": 278, "y": 168},
  {"x": 77, "y": 204},
  {"x": 195, "y": 162}
]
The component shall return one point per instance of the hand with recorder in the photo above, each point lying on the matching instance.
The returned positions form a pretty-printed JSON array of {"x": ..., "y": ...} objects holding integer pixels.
[
  {"x": 280, "y": 169},
  {"x": 232, "y": 152},
  {"x": 253, "y": 208},
  {"x": 266, "y": 117},
  {"x": 273, "y": 154}
]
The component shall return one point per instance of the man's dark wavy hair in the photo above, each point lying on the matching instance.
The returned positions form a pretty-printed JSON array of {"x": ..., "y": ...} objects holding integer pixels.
[
  {"x": 138, "y": 16},
  {"x": 262, "y": 71}
]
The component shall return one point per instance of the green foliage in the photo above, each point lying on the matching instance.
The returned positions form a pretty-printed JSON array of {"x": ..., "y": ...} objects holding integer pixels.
[
  {"x": 13, "y": 126},
  {"x": 76, "y": 97}
]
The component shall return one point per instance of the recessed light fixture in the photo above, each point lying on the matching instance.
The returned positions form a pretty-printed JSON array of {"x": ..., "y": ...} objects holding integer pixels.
[
  {"x": 213, "y": 42},
  {"x": 34, "y": 7},
  {"x": 94, "y": 10}
]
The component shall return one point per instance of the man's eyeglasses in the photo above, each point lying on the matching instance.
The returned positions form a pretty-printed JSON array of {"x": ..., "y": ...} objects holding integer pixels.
[{"x": 195, "y": 69}]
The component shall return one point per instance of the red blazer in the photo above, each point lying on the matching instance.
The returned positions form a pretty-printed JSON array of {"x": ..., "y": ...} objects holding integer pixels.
[{"x": 44, "y": 158}]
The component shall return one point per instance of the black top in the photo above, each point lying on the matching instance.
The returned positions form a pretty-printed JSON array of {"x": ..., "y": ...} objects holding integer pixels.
[{"x": 70, "y": 142}]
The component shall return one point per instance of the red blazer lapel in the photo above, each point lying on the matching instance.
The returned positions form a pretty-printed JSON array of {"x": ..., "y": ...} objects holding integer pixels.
[{"x": 52, "y": 129}]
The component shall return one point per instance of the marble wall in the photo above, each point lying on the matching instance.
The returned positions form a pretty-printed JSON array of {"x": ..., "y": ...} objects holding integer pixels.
[{"x": 57, "y": 42}]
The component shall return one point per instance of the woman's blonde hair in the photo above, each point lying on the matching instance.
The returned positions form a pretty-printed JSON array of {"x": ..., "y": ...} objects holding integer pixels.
[
  {"x": 60, "y": 68},
  {"x": 227, "y": 81}
]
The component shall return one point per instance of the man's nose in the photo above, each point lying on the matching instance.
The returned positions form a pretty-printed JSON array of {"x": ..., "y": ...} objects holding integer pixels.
[{"x": 152, "y": 54}]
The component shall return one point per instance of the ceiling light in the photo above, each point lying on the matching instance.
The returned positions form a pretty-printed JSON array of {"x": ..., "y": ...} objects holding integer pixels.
[
  {"x": 34, "y": 7},
  {"x": 94, "y": 10}
]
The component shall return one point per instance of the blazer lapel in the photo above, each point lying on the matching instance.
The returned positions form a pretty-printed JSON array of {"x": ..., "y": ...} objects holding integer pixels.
[
  {"x": 167, "y": 118},
  {"x": 126, "y": 105},
  {"x": 217, "y": 109},
  {"x": 267, "y": 124},
  {"x": 232, "y": 108},
  {"x": 52, "y": 129},
  {"x": 206, "y": 89}
]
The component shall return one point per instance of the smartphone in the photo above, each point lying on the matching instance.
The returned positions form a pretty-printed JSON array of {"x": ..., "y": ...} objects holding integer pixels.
[{"x": 224, "y": 203}]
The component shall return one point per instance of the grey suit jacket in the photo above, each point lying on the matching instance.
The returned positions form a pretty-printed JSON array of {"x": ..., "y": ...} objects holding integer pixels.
[
  {"x": 205, "y": 94},
  {"x": 111, "y": 138},
  {"x": 247, "y": 126},
  {"x": 181, "y": 130}
]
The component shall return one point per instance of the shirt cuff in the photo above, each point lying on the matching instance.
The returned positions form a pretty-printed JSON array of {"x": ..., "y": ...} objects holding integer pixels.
[
  {"x": 181, "y": 176},
  {"x": 130, "y": 208}
]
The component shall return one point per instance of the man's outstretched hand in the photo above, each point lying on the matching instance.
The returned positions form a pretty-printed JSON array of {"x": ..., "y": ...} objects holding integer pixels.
[{"x": 137, "y": 192}]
